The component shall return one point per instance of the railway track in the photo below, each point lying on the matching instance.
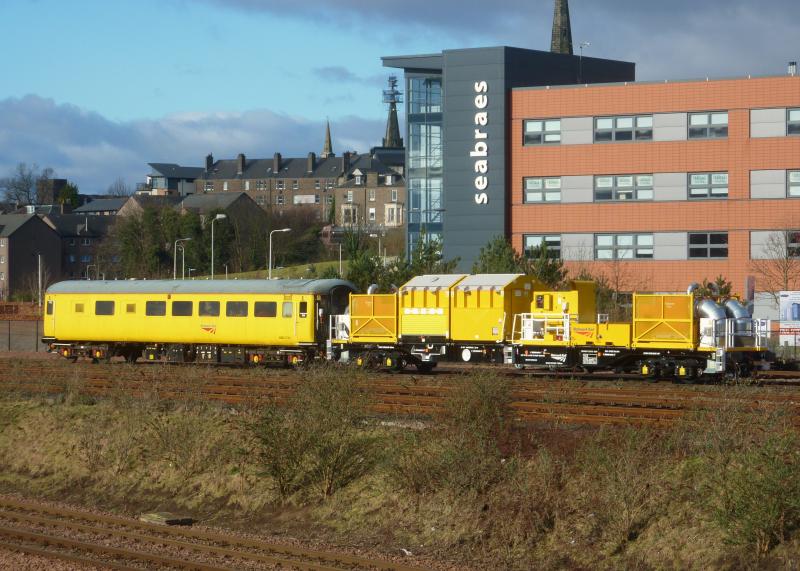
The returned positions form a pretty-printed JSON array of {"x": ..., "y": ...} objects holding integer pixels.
[
  {"x": 112, "y": 542},
  {"x": 533, "y": 398}
]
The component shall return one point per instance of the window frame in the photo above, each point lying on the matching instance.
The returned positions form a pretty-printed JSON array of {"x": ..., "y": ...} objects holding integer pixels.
[
  {"x": 792, "y": 185},
  {"x": 708, "y": 127},
  {"x": 543, "y": 133},
  {"x": 290, "y": 306},
  {"x": 615, "y": 189},
  {"x": 708, "y": 246},
  {"x": 637, "y": 132},
  {"x": 793, "y": 125},
  {"x": 553, "y": 251},
  {"x": 616, "y": 246},
  {"x": 543, "y": 190},
  {"x": 710, "y": 186},
  {"x": 208, "y": 308}
]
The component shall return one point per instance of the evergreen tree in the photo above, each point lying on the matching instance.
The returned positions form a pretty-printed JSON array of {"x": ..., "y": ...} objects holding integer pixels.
[
  {"x": 499, "y": 257},
  {"x": 545, "y": 268}
]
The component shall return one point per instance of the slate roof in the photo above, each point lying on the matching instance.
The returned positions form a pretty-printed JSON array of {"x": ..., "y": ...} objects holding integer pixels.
[
  {"x": 165, "y": 287},
  {"x": 75, "y": 225},
  {"x": 103, "y": 205},
  {"x": 227, "y": 169},
  {"x": 211, "y": 201},
  {"x": 10, "y": 223},
  {"x": 172, "y": 170}
]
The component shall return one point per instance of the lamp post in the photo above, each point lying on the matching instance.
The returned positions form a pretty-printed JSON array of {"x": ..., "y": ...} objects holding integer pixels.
[
  {"x": 217, "y": 217},
  {"x": 226, "y": 271},
  {"x": 88, "y": 275},
  {"x": 190, "y": 272},
  {"x": 580, "y": 60},
  {"x": 383, "y": 258},
  {"x": 183, "y": 261},
  {"x": 269, "y": 271},
  {"x": 175, "y": 257}
]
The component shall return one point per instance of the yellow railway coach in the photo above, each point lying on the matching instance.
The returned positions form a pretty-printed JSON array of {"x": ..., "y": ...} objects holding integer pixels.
[{"x": 181, "y": 321}]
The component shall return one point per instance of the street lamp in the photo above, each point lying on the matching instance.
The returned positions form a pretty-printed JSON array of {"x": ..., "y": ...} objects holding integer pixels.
[
  {"x": 580, "y": 60},
  {"x": 217, "y": 217},
  {"x": 190, "y": 272},
  {"x": 383, "y": 258},
  {"x": 88, "y": 275},
  {"x": 175, "y": 257},
  {"x": 183, "y": 260},
  {"x": 269, "y": 275}
]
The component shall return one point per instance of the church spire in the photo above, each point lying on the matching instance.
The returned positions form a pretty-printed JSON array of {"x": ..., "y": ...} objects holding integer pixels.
[
  {"x": 327, "y": 149},
  {"x": 392, "y": 96},
  {"x": 562, "y": 31}
]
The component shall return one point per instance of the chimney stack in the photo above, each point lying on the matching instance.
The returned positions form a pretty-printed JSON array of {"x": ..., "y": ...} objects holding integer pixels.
[
  {"x": 240, "y": 162},
  {"x": 312, "y": 162},
  {"x": 209, "y": 162},
  {"x": 345, "y": 162},
  {"x": 792, "y": 68},
  {"x": 276, "y": 163}
]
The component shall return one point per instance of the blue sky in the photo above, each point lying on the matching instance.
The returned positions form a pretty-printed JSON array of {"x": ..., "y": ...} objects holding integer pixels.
[{"x": 96, "y": 89}]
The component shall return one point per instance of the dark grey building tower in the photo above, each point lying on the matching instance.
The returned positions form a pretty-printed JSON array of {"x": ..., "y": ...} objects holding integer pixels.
[
  {"x": 327, "y": 148},
  {"x": 392, "y": 96},
  {"x": 562, "y": 31}
]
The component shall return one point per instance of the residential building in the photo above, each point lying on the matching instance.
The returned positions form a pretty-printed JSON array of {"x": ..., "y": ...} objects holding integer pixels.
[
  {"x": 102, "y": 206},
  {"x": 25, "y": 242},
  {"x": 81, "y": 240},
  {"x": 169, "y": 178}
]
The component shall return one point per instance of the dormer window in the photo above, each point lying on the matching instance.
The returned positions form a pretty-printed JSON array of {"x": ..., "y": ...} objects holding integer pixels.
[
  {"x": 358, "y": 179},
  {"x": 388, "y": 179}
]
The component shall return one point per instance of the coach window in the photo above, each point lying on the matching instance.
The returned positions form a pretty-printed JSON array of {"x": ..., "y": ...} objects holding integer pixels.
[
  {"x": 265, "y": 309},
  {"x": 208, "y": 309},
  {"x": 793, "y": 122},
  {"x": 155, "y": 308},
  {"x": 104, "y": 308},
  {"x": 49, "y": 307},
  {"x": 182, "y": 308},
  {"x": 130, "y": 308},
  {"x": 287, "y": 309},
  {"x": 78, "y": 308},
  {"x": 236, "y": 309},
  {"x": 303, "y": 309},
  {"x": 793, "y": 178}
]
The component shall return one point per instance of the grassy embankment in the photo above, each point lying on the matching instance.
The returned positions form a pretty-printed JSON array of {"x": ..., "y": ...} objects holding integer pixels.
[{"x": 718, "y": 491}]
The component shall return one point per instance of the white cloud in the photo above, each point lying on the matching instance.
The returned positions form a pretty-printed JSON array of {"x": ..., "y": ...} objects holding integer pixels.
[{"x": 93, "y": 151}]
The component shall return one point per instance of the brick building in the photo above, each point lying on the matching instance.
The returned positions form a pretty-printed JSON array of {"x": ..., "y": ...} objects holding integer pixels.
[
  {"x": 667, "y": 182},
  {"x": 81, "y": 238}
]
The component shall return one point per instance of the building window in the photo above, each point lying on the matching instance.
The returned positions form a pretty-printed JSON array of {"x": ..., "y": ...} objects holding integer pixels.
[
  {"x": 280, "y": 184},
  {"x": 71, "y": 241},
  {"x": 708, "y": 125},
  {"x": 793, "y": 243},
  {"x": 553, "y": 244},
  {"x": 279, "y": 200},
  {"x": 608, "y": 129},
  {"x": 3, "y": 243},
  {"x": 208, "y": 187},
  {"x": 86, "y": 242},
  {"x": 2, "y": 276},
  {"x": 247, "y": 185},
  {"x": 541, "y": 132},
  {"x": 358, "y": 179},
  {"x": 295, "y": 184},
  {"x": 623, "y": 246},
  {"x": 329, "y": 183},
  {"x": 349, "y": 196},
  {"x": 542, "y": 189},
  {"x": 708, "y": 245},
  {"x": 260, "y": 200},
  {"x": 623, "y": 187},
  {"x": 708, "y": 185},
  {"x": 793, "y": 122},
  {"x": 72, "y": 258},
  {"x": 261, "y": 185},
  {"x": 371, "y": 195},
  {"x": 329, "y": 199},
  {"x": 2, "y": 259},
  {"x": 86, "y": 258},
  {"x": 793, "y": 180},
  {"x": 388, "y": 179},
  {"x": 372, "y": 215},
  {"x": 317, "y": 184},
  {"x": 394, "y": 195},
  {"x": 349, "y": 215}
]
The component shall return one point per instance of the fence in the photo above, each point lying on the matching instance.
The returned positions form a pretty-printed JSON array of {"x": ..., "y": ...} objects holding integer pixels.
[{"x": 21, "y": 335}]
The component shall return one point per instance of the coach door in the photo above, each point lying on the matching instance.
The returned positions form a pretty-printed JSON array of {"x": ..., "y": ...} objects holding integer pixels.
[{"x": 49, "y": 317}]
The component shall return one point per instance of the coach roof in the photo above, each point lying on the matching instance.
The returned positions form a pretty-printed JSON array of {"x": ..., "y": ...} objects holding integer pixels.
[{"x": 199, "y": 286}]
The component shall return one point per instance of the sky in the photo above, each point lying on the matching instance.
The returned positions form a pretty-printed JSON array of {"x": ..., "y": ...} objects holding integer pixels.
[{"x": 96, "y": 89}]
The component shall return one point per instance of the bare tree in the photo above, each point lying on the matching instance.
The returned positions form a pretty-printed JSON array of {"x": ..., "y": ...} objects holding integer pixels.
[
  {"x": 23, "y": 185},
  {"x": 778, "y": 266},
  {"x": 119, "y": 188}
]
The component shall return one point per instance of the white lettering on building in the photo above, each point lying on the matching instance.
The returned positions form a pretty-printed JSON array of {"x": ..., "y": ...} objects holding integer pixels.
[{"x": 480, "y": 151}]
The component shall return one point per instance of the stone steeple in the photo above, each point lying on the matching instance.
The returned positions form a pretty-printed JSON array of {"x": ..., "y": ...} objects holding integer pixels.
[
  {"x": 327, "y": 149},
  {"x": 392, "y": 96},
  {"x": 562, "y": 31}
]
